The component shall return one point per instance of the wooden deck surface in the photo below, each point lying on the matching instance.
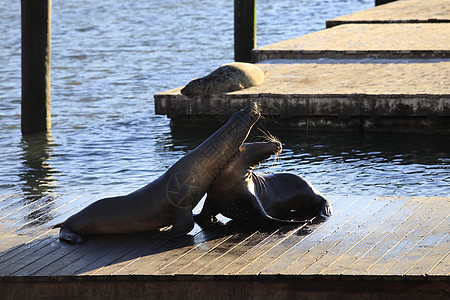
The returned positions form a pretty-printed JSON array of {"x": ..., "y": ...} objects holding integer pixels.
[
  {"x": 425, "y": 40},
  {"x": 390, "y": 238},
  {"x": 400, "y": 11}
]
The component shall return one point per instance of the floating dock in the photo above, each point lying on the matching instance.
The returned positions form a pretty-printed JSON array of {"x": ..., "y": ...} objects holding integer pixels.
[
  {"x": 366, "y": 74},
  {"x": 400, "y": 11},
  {"x": 370, "y": 248}
]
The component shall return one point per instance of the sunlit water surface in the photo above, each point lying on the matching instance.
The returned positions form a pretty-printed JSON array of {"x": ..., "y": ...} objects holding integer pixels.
[{"x": 110, "y": 57}]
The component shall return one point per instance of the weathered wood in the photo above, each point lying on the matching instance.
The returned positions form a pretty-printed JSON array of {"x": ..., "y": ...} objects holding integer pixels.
[
  {"x": 272, "y": 257},
  {"x": 289, "y": 256},
  {"x": 389, "y": 238},
  {"x": 234, "y": 252},
  {"x": 402, "y": 97},
  {"x": 427, "y": 40},
  {"x": 36, "y": 65},
  {"x": 431, "y": 259},
  {"x": 168, "y": 248},
  {"x": 423, "y": 247},
  {"x": 222, "y": 287},
  {"x": 244, "y": 29},
  {"x": 410, "y": 11},
  {"x": 379, "y": 244},
  {"x": 326, "y": 264},
  {"x": 406, "y": 241},
  {"x": 318, "y": 257},
  {"x": 277, "y": 237},
  {"x": 171, "y": 263}
]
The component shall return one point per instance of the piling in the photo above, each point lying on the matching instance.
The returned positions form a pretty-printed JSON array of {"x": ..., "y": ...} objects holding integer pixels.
[
  {"x": 36, "y": 64},
  {"x": 244, "y": 29}
]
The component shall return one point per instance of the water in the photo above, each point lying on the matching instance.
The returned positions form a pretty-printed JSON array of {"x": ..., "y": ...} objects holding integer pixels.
[{"x": 110, "y": 57}]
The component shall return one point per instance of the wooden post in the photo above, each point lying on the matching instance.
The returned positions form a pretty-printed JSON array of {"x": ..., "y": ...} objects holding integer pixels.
[
  {"x": 244, "y": 29},
  {"x": 36, "y": 63}
]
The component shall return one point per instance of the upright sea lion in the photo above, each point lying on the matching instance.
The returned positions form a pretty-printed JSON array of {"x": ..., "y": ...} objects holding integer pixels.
[
  {"x": 169, "y": 199},
  {"x": 240, "y": 194},
  {"x": 227, "y": 78}
]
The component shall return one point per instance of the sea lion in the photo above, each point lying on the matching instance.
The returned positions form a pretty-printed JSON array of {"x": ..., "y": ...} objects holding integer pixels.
[
  {"x": 227, "y": 78},
  {"x": 168, "y": 200},
  {"x": 242, "y": 195}
]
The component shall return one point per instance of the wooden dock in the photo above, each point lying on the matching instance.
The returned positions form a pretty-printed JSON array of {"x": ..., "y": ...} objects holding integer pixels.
[
  {"x": 400, "y": 11},
  {"x": 383, "y": 69},
  {"x": 370, "y": 248}
]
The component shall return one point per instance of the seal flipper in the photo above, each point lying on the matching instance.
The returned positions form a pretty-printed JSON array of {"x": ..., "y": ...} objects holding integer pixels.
[
  {"x": 69, "y": 236},
  {"x": 207, "y": 216},
  {"x": 183, "y": 223},
  {"x": 262, "y": 212},
  {"x": 326, "y": 210}
]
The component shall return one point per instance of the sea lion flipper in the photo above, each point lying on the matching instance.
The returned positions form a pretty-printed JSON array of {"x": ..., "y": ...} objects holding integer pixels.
[
  {"x": 262, "y": 212},
  {"x": 326, "y": 211},
  {"x": 182, "y": 223},
  {"x": 69, "y": 236},
  {"x": 207, "y": 216}
]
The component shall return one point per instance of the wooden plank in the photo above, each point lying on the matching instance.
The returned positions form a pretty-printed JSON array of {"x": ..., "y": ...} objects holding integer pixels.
[
  {"x": 315, "y": 246},
  {"x": 7, "y": 200},
  {"x": 291, "y": 255},
  {"x": 36, "y": 218},
  {"x": 201, "y": 257},
  {"x": 271, "y": 241},
  {"x": 98, "y": 252},
  {"x": 411, "y": 11},
  {"x": 422, "y": 248},
  {"x": 27, "y": 254},
  {"x": 216, "y": 265},
  {"x": 12, "y": 242},
  {"x": 319, "y": 258},
  {"x": 272, "y": 256},
  {"x": 407, "y": 240},
  {"x": 17, "y": 246},
  {"x": 400, "y": 209},
  {"x": 432, "y": 258},
  {"x": 68, "y": 206},
  {"x": 443, "y": 267},
  {"x": 33, "y": 214},
  {"x": 390, "y": 236},
  {"x": 171, "y": 254},
  {"x": 167, "y": 246},
  {"x": 393, "y": 41},
  {"x": 42, "y": 256},
  {"x": 336, "y": 260},
  {"x": 19, "y": 206}
]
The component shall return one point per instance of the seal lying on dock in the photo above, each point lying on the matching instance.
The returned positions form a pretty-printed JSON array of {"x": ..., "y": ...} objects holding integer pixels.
[
  {"x": 227, "y": 78},
  {"x": 168, "y": 200},
  {"x": 242, "y": 195}
]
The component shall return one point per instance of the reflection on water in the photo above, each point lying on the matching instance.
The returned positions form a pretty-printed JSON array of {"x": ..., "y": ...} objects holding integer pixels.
[
  {"x": 353, "y": 163},
  {"x": 36, "y": 172},
  {"x": 369, "y": 164}
]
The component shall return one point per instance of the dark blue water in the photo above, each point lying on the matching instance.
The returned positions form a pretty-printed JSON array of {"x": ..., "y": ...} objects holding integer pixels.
[{"x": 110, "y": 57}]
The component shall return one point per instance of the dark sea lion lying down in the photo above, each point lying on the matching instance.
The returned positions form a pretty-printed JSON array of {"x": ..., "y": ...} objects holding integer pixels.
[
  {"x": 168, "y": 200},
  {"x": 242, "y": 195}
]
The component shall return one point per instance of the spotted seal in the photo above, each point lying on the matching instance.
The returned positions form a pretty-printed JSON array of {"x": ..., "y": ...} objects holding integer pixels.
[{"x": 227, "y": 78}]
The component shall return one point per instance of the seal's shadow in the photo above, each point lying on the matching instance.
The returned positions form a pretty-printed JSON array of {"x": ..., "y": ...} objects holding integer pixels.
[{"x": 144, "y": 252}]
